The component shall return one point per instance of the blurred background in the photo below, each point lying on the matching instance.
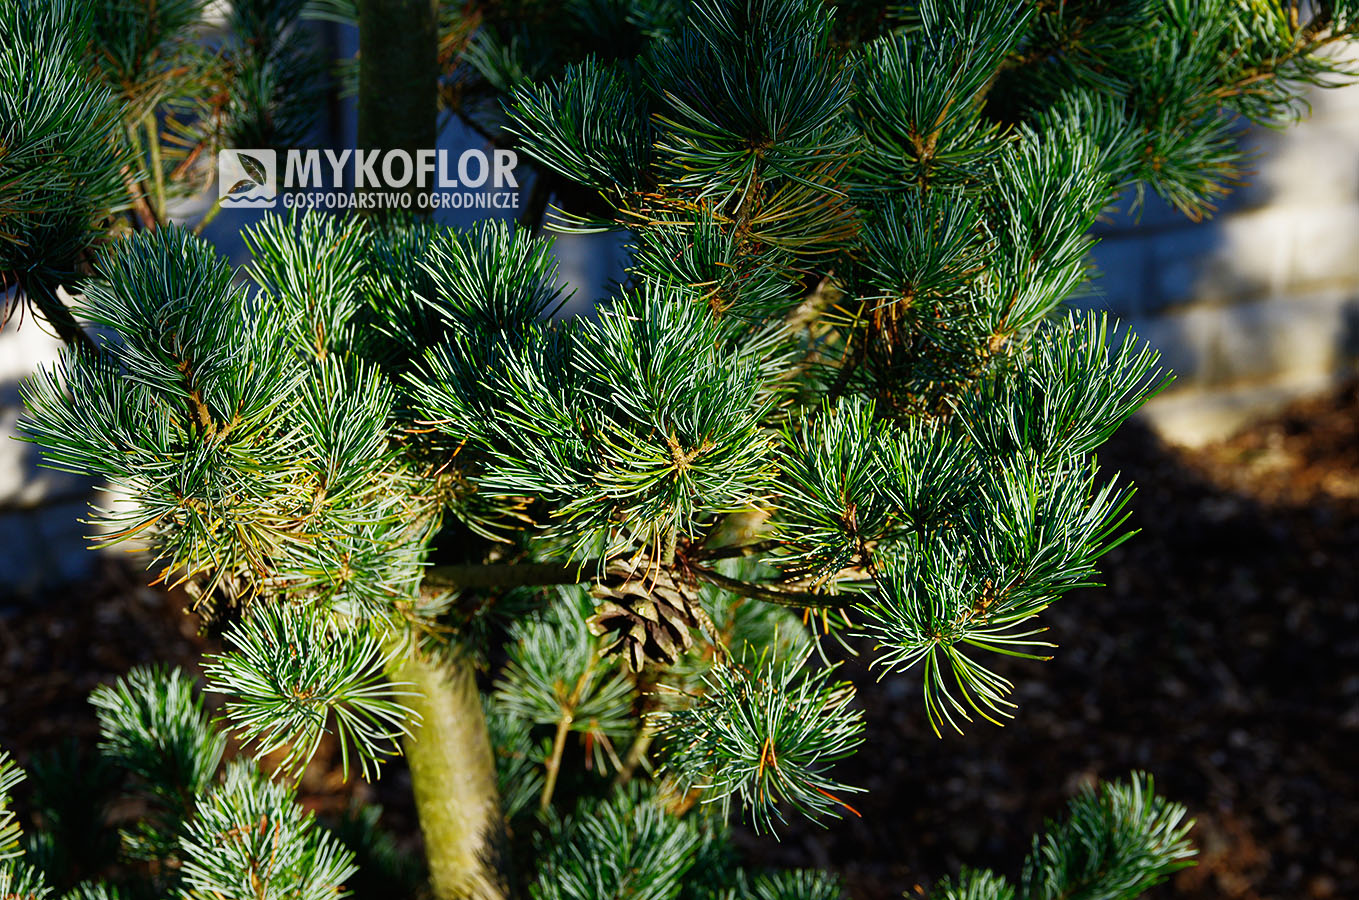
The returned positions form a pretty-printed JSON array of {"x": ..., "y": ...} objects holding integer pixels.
[{"x": 1222, "y": 657}]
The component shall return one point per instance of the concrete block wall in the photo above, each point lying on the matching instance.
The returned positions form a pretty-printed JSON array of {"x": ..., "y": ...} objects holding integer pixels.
[
  {"x": 1259, "y": 304},
  {"x": 41, "y": 537}
]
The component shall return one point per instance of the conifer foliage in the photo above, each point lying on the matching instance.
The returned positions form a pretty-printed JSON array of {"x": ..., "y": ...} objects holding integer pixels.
[
  {"x": 836, "y": 402},
  {"x": 109, "y": 109}
]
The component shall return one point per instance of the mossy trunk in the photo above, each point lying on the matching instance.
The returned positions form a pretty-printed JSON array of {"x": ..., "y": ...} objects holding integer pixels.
[
  {"x": 450, "y": 756},
  {"x": 453, "y": 774},
  {"x": 398, "y": 77}
]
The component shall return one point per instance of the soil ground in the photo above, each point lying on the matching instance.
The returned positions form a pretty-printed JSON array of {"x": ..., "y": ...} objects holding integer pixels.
[{"x": 1223, "y": 657}]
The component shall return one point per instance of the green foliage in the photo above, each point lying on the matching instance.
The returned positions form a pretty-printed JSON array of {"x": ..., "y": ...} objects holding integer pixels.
[
  {"x": 519, "y": 759},
  {"x": 10, "y": 776},
  {"x": 795, "y": 884},
  {"x": 305, "y": 266},
  {"x": 915, "y": 101},
  {"x": 836, "y": 379},
  {"x": 1071, "y": 394},
  {"x": 967, "y": 528},
  {"x": 201, "y": 414},
  {"x": 382, "y": 868},
  {"x": 745, "y": 627},
  {"x": 974, "y": 884},
  {"x": 1178, "y": 73},
  {"x": 767, "y": 733},
  {"x": 552, "y": 667},
  {"x": 1036, "y": 540},
  {"x": 849, "y": 479},
  {"x": 93, "y": 890},
  {"x": 72, "y": 789},
  {"x": 250, "y": 838},
  {"x": 170, "y": 396},
  {"x": 188, "y": 92},
  {"x": 273, "y": 73},
  {"x": 491, "y": 280},
  {"x": 594, "y": 123},
  {"x": 1047, "y": 194},
  {"x": 628, "y": 847},
  {"x": 147, "y": 50},
  {"x": 59, "y": 160},
  {"x": 19, "y": 880},
  {"x": 640, "y": 418},
  {"x": 288, "y": 674},
  {"x": 193, "y": 832},
  {"x": 399, "y": 313},
  {"x": 710, "y": 259},
  {"x": 109, "y": 107},
  {"x": 752, "y": 92},
  {"x": 152, "y": 725},
  {"x": 1118, "y": 841}
]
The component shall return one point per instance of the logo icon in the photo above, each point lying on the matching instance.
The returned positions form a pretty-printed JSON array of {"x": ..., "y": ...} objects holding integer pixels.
[{"x": 247, "y": 179}]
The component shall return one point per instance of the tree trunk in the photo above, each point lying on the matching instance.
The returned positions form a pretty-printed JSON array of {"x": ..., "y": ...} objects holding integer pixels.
[
  {"x": 451, "y": 762},
  {"x": 398, "y": 76},
  {"x": 453, "y": 774}
]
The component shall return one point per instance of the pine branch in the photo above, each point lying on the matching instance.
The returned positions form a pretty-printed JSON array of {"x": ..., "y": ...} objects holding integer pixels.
[
  {"x": 479, "y": 577},
  {"x": 287, "y": 674},
  {"x": 835, "y": 378},
  {"x": 766, "y": 732},
  {"x": 1118, "y": 841},
  {"x": 250, "y": 838}
]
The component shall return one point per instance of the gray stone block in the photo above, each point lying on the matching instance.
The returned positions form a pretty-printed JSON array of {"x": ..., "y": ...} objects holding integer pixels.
[
  {"x": 1312, "y": 165},
  {"x": 1237, "y": 258},
  {"x": 1275, "y": 338},
  {"x": 1200, "y": 416},
  {"x": 22, "y": 482},
  {"x": 1325, "y": 247},
  {"x": 1119, "y": 283}
]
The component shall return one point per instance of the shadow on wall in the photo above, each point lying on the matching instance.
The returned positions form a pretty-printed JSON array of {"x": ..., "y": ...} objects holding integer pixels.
[
  {"x": 1261, "y": 303},
  {"x": 41, "y": 538}
]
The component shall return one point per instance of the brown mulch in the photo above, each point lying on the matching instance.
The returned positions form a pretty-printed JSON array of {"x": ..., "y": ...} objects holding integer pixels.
[{"x": 1223, "y": 657}]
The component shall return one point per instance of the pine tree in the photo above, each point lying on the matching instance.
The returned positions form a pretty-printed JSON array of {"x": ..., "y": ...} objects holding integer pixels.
[{"x": 587, "y": 573}]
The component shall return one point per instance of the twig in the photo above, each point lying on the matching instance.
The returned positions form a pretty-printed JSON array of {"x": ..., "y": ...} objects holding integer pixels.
[
  {"x": 157, "y": 172},
  {"x": 636, "y": 754},
  {"x": 563, "y": 728},
  {"x": 798, "y": 599},
  {"x": 471, "y": 576},
  {"x": 554, "y": 764},
  {"x": 208, "y": 216}
]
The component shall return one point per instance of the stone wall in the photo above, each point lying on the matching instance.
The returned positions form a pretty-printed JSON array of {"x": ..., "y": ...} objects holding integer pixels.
[
  {"x": 1259, "y": 304},
  {"x": 42, "y": 541}
]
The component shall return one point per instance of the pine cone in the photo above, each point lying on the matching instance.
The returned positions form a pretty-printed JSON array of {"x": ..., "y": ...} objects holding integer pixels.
[{"x": 646, "y": 612}]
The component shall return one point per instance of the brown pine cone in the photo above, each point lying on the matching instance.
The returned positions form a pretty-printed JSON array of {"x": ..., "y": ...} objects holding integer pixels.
[{"x": 646, "y": 612}]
